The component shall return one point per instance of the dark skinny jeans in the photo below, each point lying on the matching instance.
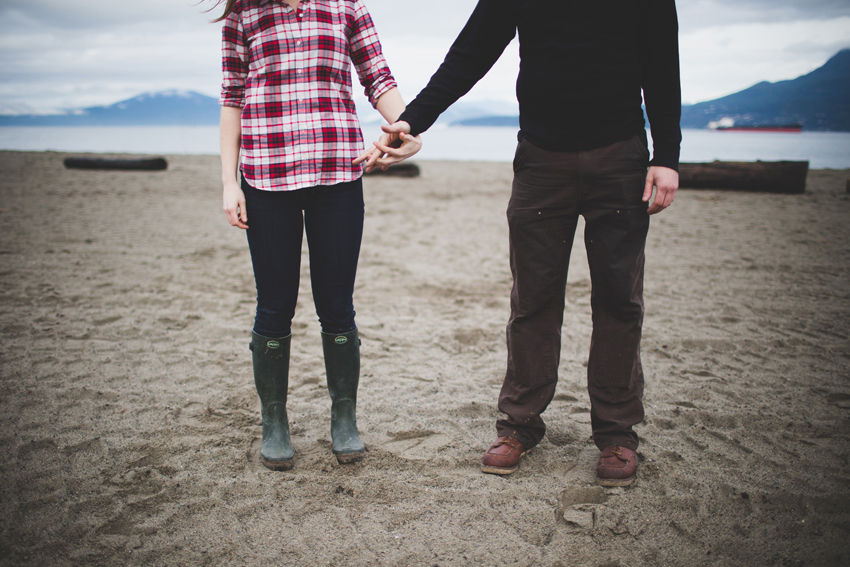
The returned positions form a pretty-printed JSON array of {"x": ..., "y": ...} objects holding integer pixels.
[{"x": 333, "y": 219}]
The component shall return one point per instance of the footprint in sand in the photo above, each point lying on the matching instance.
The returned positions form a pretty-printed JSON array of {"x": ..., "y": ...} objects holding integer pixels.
[
  {"x": 840, "y": 399},
  {"x": 416, "y": 444},
  {"x": 578, "y": 506},
  {"x": 580, "y": 414},
  {"x": 474, "y": 409},
  {"x": 193, "y": 414}
]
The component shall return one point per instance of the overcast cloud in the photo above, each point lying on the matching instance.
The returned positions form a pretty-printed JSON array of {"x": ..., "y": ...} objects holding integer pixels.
[{"x": 57, "y": 54}]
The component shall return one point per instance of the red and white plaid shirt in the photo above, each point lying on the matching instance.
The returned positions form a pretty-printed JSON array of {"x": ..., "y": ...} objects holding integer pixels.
[{"x": 290, "y": 73}]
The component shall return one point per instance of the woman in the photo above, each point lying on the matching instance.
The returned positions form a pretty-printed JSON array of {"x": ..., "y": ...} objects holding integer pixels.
[{"x": 286, "y": 104}]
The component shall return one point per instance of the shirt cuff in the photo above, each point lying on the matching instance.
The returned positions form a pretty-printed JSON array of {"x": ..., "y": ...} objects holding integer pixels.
[
  {"x": 665, "y": 155},
  {"x": 416, "y": 127},
  {"x": 379, "y": 87},
  {"x": 232, "y": 97}
]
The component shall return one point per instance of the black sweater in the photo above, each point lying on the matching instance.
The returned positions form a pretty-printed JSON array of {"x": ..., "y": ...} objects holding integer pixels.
[{"x": 583, "y": 65}]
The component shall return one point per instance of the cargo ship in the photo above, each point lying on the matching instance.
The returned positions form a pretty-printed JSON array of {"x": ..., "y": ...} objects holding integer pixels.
[{"x": 728, "y": 125}]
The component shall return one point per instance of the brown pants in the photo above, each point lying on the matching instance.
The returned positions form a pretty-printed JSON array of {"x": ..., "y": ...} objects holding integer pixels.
[{"x": 550, "y": 190}]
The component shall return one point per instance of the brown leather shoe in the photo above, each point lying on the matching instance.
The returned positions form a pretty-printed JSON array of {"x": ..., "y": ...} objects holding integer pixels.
[
  {"x": 503, "y": 456},
  {"x": 617, "y": 466}
]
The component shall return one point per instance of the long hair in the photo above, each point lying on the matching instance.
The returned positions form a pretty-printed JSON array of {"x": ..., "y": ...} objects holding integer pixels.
[
  {"x": 229, "y": 5},
  {"x": 228, "y": 8}
]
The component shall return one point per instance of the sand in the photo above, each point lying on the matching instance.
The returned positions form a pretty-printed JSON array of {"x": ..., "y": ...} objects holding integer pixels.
[{"x": 130, "y": 429}]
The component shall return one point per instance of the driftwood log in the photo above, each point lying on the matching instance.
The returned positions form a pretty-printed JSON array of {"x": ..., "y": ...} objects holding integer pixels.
[
  {"x": 403, "y": 169},
  {"x": 142, "y": 164},
  {"x": 788, "y": 177}
]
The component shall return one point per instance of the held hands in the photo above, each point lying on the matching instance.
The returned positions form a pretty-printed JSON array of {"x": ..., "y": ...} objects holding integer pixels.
[
  {"x": 394, "y": 146},
  {"x": 234, "y": 204},
  {"x": 666, "y": 183}
]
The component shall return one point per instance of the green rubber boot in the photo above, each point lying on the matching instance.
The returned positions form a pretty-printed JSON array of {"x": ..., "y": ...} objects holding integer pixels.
[
  {"x": 271, "y": 376},
  {"x": 342, "y": 363}
]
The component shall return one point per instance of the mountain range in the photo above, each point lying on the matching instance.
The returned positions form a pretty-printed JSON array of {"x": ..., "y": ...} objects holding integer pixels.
[
  {"x": 149, "y": 109},
  {"x": 819, "y": 100}
]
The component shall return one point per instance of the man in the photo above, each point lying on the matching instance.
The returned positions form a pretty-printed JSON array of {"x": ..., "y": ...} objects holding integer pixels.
[{"x": 582, "y": 151}]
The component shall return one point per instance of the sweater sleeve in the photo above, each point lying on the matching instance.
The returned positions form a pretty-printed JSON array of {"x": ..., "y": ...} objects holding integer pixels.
[
  {"x": 490, "y": 28},
  {"x": 662, "y": 90}
]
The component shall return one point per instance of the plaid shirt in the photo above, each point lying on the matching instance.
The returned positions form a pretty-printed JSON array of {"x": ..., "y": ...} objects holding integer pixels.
[{"x": 289, "y": 72}]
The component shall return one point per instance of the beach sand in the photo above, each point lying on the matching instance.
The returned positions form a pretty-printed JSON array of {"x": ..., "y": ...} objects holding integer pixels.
[{"x": 130, "y": 427}]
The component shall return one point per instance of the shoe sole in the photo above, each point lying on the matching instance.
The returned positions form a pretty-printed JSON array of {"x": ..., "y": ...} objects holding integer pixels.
[
  {"x": 502, "y": 470},
  {"x": 348, "y": 458},
  {"x": 615, "y": 481},
  {"x": 278, "y": 465}
]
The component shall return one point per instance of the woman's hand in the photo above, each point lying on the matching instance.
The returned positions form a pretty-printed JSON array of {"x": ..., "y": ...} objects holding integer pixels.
[
  {"x": 231, "y": 139},
  {"x": 234, "y": 205},
  {"x": 373, "y": 154},
  {"x": 395, "y": 145}
]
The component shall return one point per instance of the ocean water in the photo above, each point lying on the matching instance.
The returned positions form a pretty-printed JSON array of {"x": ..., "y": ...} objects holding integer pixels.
[{"x": 821, "y": 149}]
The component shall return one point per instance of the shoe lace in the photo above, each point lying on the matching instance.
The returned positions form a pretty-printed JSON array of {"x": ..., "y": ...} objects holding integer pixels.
[{"x": 618, "y": 453}]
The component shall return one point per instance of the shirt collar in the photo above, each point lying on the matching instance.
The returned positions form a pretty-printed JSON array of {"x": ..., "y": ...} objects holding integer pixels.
[{"x": 304, "y": 4}]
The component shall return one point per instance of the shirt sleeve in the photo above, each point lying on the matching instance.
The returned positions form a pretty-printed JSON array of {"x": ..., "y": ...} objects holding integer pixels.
[
  {"x": 662, "y": 91},
  {"x": 234, "y": 64},
  {"x": 367, "y": 56},
  {"x": 490, "y": 28}
]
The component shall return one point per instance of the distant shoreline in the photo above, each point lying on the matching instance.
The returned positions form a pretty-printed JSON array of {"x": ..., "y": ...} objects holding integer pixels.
[
  {"x": 491, "y": 144},
  {"x": 170, "y": 156}
]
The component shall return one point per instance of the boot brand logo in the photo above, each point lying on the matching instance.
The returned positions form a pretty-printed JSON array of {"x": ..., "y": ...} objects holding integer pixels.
[
  {"x": 273, "y": 344},
  {"x": 341, "y": 340}
]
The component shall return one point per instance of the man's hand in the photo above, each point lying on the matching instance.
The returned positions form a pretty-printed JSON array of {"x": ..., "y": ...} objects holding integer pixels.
[
  {"x": 373, "y": 154},
  {"x": 666, "y": 182},
  {"x": 394, "y": 146}
]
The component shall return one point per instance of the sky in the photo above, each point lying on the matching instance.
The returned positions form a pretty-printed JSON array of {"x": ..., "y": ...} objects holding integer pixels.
[{"x": 62, "y": 54}]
